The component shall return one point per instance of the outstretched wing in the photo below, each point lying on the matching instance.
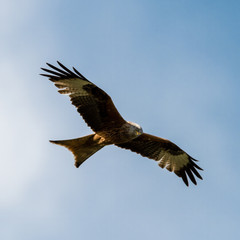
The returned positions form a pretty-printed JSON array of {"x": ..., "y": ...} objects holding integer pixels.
[
  {"x": 167, "y": 154},
  {"x": 94, "y": 105}
]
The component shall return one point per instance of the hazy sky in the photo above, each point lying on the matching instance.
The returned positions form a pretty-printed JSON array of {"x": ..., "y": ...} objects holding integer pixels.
[{"x": 171, "y": 66}]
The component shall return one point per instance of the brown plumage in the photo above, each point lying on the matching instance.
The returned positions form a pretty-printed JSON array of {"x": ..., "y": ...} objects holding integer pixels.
[{"x": 97, "y": 109}]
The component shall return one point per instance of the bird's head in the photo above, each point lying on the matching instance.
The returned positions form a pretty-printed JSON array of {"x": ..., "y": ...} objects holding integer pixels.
[{"x": 135, "y": 129}]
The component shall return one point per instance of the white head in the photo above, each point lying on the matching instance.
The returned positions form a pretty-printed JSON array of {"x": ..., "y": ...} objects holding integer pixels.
[{"x": 135, "y": 129}]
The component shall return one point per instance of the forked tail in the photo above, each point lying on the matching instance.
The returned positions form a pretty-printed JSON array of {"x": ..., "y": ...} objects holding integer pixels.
[{"x": 82, "y": 148}]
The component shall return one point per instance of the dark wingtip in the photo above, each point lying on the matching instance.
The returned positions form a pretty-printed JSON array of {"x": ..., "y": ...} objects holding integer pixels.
[
  {"x": 50, "y": 65},
  {"x": 61, "y": 73},
  {"x": 61, "y": 65},
  {"x": 79, "y": 74},
  {"x": 191, "y": 176},
  {"x": 184, "y": 178},
  {"x": 193, "y": 159},
  {"x": 77, "y": 164},
  {"x": 186, "y": 183}
]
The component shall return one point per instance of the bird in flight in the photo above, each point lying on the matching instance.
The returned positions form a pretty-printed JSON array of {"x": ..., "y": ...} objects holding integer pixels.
[{"x": 97, "y": 109}]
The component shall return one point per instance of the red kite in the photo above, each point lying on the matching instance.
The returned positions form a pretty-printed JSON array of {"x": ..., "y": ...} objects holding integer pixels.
[{"x": 97, "y": 109}]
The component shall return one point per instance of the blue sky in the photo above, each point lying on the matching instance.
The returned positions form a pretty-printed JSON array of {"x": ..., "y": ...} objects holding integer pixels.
[{"x": 172, "y": 67}]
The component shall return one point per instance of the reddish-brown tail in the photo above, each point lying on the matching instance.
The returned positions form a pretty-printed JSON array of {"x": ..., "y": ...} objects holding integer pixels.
[{"x": 82, "y": 148}]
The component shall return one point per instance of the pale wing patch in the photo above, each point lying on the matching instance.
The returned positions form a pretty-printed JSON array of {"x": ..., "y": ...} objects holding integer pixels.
[
  {"x": 172, "y": 162},
  {"x": 73, "y": 86}
]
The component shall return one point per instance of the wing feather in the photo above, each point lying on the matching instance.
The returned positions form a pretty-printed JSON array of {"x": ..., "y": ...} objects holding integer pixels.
[
  {"x": 93, "y": 104},
  {"x": 167, "y": 154}
]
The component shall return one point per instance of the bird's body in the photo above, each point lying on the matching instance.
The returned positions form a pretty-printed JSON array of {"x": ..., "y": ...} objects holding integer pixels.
[
  {"x": 127, "y": 132},
  {"x": 98, "y": 111}
]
